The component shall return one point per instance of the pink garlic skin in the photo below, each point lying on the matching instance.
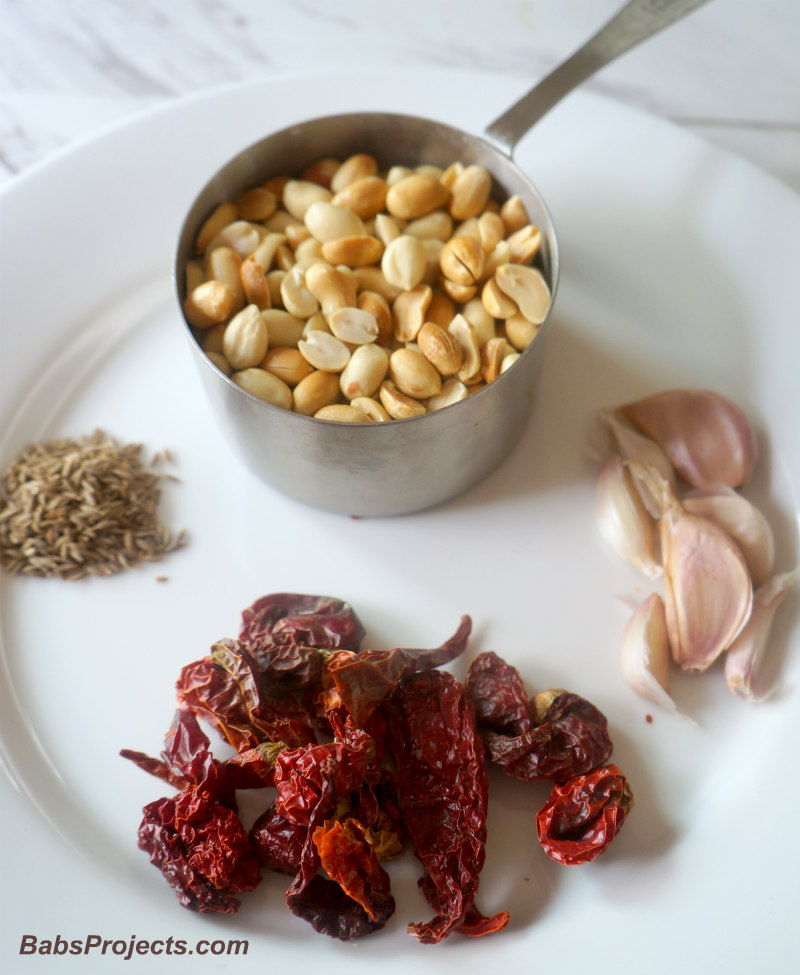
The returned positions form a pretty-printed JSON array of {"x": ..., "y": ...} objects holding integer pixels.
[
  {"x": 708, "y": 594},
  {"x": 623, "y": 521},
  {"x": 644, "y": 653},
  {"x": 742, "y": 521},
  {"x": 707, "y": 438},
  {"x": 745, "y": 657},
  {"x": 636, "y": 447}
]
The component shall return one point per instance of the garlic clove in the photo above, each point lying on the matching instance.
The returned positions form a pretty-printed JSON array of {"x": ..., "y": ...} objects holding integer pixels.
[
  {"x": 746, "y": 525},
  {"x": 708, "y": 593},
  {"x": 644, "y": 653},
  {"x": 624, "y": 522},
  {"x": 707, "y": 438},
  {"x": 745, "y": 657},
  {"x": 635, "y": 446}
]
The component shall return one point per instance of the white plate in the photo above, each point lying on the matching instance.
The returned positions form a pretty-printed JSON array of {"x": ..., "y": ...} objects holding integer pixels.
[{"x": 679, "y": 268}]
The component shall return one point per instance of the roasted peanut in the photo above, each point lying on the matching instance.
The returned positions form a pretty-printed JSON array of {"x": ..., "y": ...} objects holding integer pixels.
[
  {"x": 458, "y": 292},
  {"x": 307, "y": 252},
  {"x": 373, "y": 279},
  {"x": 398, "y": 290},
  {"x": 524, "y": 245},
  {"x": 480, "y": 319},
  {"x": 211, "y": 338},
  {"x": 386, "y": 228},
  {"x": 332, "y": 287},
  {"x": 453, "y": 391},
  {"x": 404, "y": 262},
  {"x": 224, "y": 264},
  {"x": 397, "y": 404},
  {"x": 492, "y": 355},
  {"x": 296, "y": 297},
  {"x": 354, "y": 168},
  {"x": 274, "y": 281},
  {"x": 491, "y": 230},
  {"x": 438, "y": 224},
  {"x": 378, "y": 307},
  {"x": 315, "y": 391},
  {"x": 470, "y": 370},
  {"x": 264, "y": 253},
  {"x": 365, "y": 197},
  {"x": 287, "y": 364},
  {"x": 241, "y": 235},
  {"x": 396, "y": 173},
  {"x": 329, "y": 221},
  {"x": 296, "y": 233},
  {"x": 300, "y": 194},
  {"x": 246, "y": 338},
  {"x": 513, "y": 214},
  {"x": 370, "y": 406},
  {"x": 470, "y": 192},
  {"x": 408, "y": 312},
  {"x": 415, "y": 195},
  {"x": 257, "y": 204},
  {"x": 265, "y": 386},
  {"x": 527, "y": 287},
  {"x": 462, "y": 260},
  {"x": 254, "y": 283},
  {"x": 520, "y": 332},
  {"x": 413, "y": 374},
  {"x": 496, "y": 302},
  {"x": 354, "y": 326},
  {"x": 356, "y": 251},
  {"x": 194, "y": 274},
  {"x": 342, "y": 413},
  {"x": 282, "y": 328},
  {"x": 209, "y": 303},
  {"x": 220, "y": 217},
  {"x": 365, "y": 371},
  {"x": 441, "y": 310},
  {"x": 321, "y": 171},
  {"x": 324, "y": 351},
  {"x": 220, "y": 362},
  {"x": 441, "y": 348}
]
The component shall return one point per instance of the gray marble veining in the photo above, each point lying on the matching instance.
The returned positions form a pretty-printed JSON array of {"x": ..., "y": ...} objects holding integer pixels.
[{"x": 70, "y": 67}]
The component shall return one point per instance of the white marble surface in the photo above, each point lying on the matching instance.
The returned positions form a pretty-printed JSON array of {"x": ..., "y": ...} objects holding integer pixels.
[{"x": 68, "y": 68}]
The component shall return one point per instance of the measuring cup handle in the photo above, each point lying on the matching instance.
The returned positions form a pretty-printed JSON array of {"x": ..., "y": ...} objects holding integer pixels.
[{"x": 635, "y": 22}]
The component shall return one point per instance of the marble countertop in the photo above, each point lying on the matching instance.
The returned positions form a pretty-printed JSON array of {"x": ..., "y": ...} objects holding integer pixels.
[{"x": 69, "y": 68}]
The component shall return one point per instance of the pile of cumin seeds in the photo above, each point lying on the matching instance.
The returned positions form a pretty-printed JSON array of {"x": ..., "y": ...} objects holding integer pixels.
[{"x": 72, "y": 508}]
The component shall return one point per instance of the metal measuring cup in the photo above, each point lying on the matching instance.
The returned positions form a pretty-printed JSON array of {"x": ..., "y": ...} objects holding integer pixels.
[{"x": 379, "y": 469}]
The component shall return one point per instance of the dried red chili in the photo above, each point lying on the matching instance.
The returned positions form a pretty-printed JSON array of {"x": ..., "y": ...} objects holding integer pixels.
[
  {"x": 364, "y": 679},
  {"x": 297, "y": 674},
  {"x": 498, "y": 695},
  {"x": 293, "y": 618},
  {"x": 583, "y": 815},
  {"x": 570, "y": 738},
  {"x": 278, "y": 842},
  {"x": 350, "y": 860},
  {"x": 443, "y": 795},
  {"x": 196, "y": 838},
  {"x": 225, "y": 689}
]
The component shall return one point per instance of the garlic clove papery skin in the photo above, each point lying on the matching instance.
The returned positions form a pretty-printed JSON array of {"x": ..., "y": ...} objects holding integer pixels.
[
  {"x": 708, "y": 594},
  {"x": 636, "y": 447},
  {"x": 707, "y": 438},
  {"x": 745, "y": 657},
  {"x": 644, "y": 653},
  {"x": 623, "y": 521},
  {"x": 746, "y": 525}
]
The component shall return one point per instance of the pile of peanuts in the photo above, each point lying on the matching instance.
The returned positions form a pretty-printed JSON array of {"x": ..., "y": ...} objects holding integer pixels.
[{"x": 355, "y": 295}]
